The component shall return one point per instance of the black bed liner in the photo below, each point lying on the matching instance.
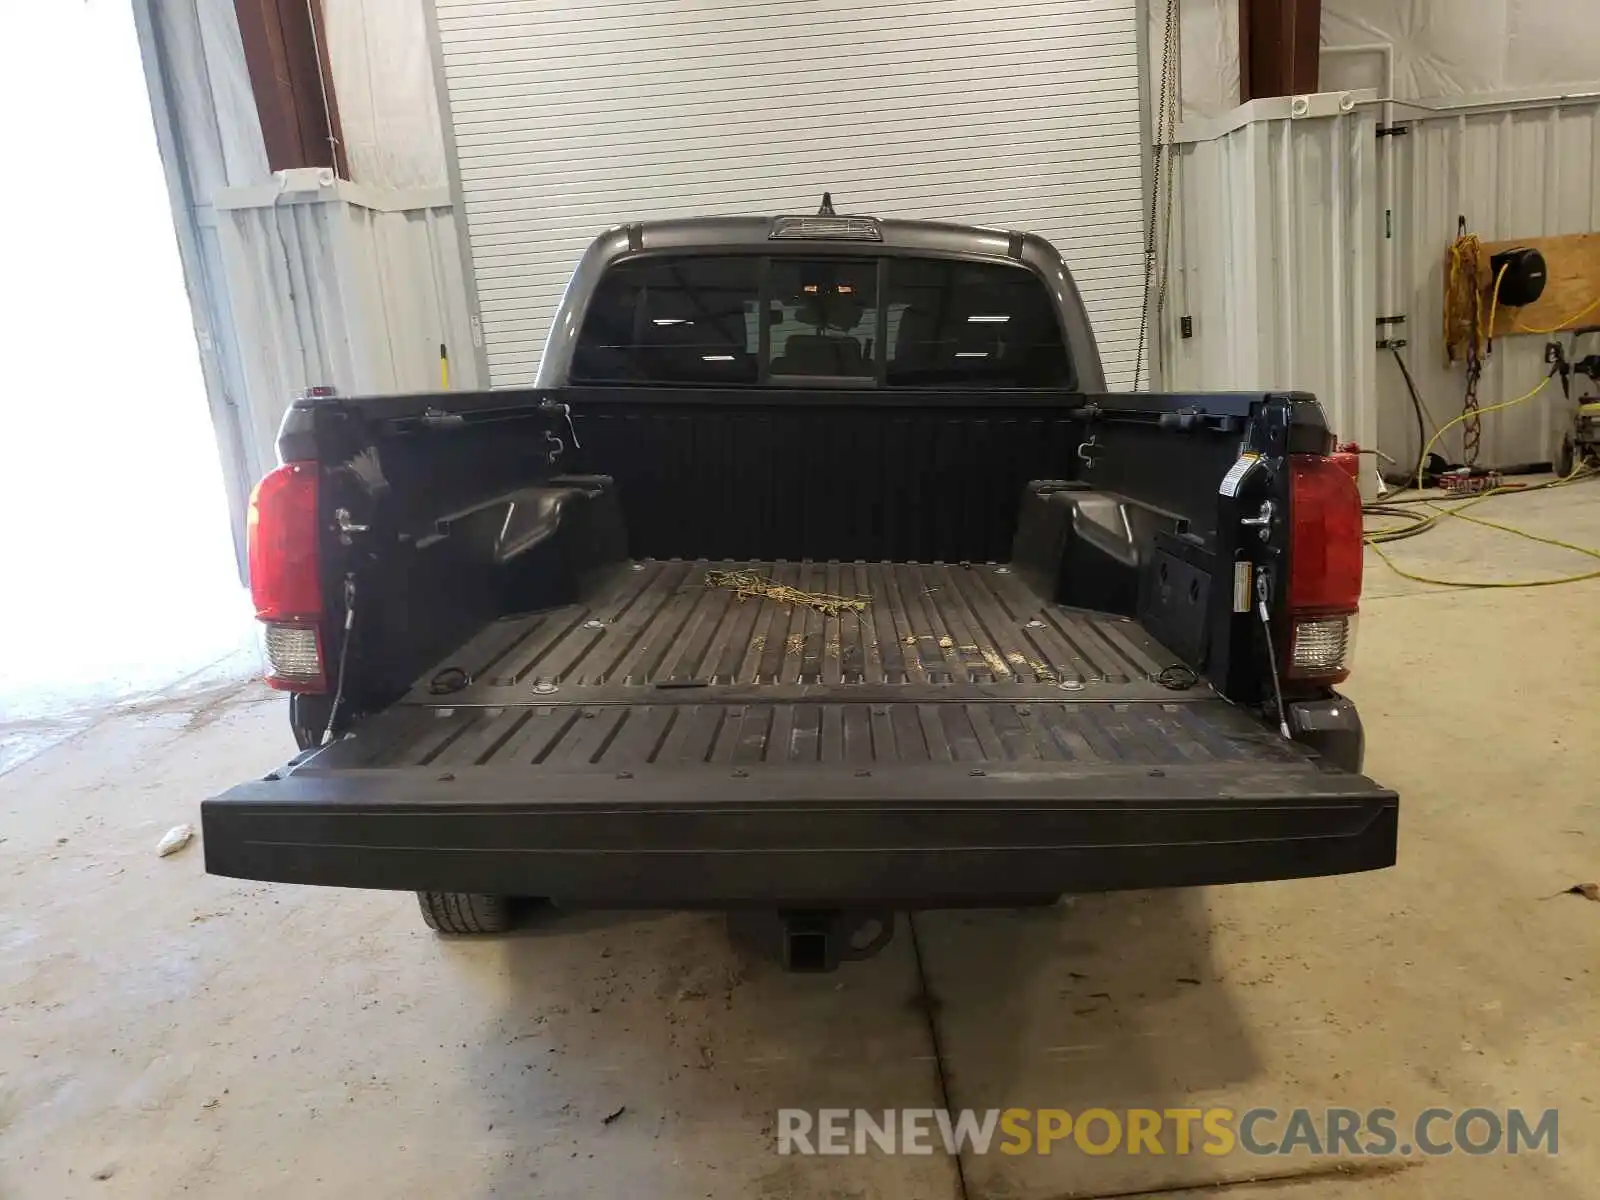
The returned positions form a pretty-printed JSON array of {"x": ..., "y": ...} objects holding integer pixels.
[
  {"x": 663, "y": 624},
  {"x": 957, "y": 740},
  {"x": 947, "y": 663}
]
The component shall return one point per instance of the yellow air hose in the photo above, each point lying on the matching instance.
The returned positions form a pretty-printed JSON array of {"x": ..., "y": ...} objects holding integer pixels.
[{"x": 1439, "y": 513}]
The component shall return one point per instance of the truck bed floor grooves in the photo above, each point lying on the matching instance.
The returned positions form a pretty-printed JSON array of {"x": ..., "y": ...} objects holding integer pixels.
[
  {"x": 924, "y": 623},
  {"x": 947, "y": 664}
]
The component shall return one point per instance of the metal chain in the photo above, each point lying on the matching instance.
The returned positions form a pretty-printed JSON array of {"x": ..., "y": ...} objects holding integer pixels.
[
  {"x": 1464, "y": 258},
  {"x": 1170, "y": 64},
  {"x": 1166, "y": 128},
  {"x": 1472, "y": 427}
]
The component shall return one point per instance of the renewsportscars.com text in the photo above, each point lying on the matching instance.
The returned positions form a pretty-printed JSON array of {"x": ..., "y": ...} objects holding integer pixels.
[{"x": 1344, "y": 1132}]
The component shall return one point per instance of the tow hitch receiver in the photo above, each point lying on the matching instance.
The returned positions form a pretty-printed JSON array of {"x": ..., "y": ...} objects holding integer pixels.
[{"x": 811, "y": 939}]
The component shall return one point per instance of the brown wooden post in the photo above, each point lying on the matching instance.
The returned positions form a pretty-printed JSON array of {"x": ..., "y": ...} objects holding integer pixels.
[
  {"x": 285, "y": 49},
  {"x": 1279, "y": 46}
]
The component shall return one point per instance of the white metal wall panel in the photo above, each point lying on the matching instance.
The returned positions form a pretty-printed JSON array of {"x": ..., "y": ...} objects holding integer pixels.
[
  {"x": 382, "y": 73},
  {"x": 210, "y": 138},
  {"x": 1271, "y": 310},
  {"x": 570, "y": 117},
  {"x": 334, "y": 292},
  {"x": 1431, "y": 49},
  {"x": 1512, "y": 173},
  {"x": 1273, "y": 260}
]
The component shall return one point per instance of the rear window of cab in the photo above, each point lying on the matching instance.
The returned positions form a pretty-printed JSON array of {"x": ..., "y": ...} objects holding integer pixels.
[{"x": 885, "y": 321}]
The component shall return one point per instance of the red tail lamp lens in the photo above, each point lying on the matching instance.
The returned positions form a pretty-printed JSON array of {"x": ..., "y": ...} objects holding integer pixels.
[{"x": 285, "y": 567}]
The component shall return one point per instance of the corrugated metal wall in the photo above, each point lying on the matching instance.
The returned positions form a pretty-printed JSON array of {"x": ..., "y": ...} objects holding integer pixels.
[
  {"x": 210, "y": 138},
  {"x": 1512, "y": 172},
  {"x": 330, "y": 289},
  {"x": 1272, "y": 259},
  {"x": 382, "y": 67}
]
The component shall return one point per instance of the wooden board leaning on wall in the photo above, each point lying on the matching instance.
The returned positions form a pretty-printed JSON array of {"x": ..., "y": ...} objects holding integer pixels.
[{"x": 1571, "y": 298}]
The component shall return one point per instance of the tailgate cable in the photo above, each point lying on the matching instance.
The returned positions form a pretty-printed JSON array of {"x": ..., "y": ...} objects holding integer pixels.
[
  {"x": 1272, "y": 656},
  {"x": 344, "y": 654}
]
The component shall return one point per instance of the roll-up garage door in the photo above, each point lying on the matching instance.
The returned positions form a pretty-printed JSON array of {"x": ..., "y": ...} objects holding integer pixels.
[{"x": 569, "y": 117}]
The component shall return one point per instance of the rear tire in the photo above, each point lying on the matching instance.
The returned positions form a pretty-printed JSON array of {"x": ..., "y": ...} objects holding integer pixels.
[
  {"x": 465, "y": 912},
  {"x": 1567, "y": 458},
  {"x": 308, "y": 718}
]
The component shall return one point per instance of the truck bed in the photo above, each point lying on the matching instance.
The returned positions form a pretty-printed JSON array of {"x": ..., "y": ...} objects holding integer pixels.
[{"x": 947, "y": 663}]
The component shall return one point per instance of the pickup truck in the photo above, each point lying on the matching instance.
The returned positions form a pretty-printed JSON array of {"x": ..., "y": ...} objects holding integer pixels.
[{"x": 817, "y": 578}]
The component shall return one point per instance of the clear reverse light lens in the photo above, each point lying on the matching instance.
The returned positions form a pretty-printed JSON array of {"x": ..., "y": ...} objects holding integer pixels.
[
  {"x": 1322, "y": 645},
  {"x": 294, "y": 656}
]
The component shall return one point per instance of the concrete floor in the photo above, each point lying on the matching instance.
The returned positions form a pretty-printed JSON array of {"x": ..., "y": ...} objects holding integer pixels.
[{"x": 166, "y": 1032}]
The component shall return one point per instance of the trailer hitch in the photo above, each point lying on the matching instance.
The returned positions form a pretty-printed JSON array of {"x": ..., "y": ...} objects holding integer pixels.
[{"x": 811, "y": 939}]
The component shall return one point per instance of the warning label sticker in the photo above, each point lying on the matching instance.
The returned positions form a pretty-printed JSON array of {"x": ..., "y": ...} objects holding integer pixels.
[{"x": 1236, "y": 474}]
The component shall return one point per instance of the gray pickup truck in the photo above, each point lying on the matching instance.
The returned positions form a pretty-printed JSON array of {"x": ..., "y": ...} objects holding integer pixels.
[{"x": 818, "y": 577}]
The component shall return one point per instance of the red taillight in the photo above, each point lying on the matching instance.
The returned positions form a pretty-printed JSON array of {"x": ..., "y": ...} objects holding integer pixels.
[
  {"x": 1325, "y": 552},
  {"x": 286, "y": 575}
]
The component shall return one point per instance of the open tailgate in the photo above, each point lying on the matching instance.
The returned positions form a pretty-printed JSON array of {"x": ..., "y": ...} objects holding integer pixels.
[{"x": 790, "y": 796}]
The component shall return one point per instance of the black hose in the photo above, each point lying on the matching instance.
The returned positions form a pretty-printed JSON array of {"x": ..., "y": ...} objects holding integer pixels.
[{"x": 1418, "y": 408}]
